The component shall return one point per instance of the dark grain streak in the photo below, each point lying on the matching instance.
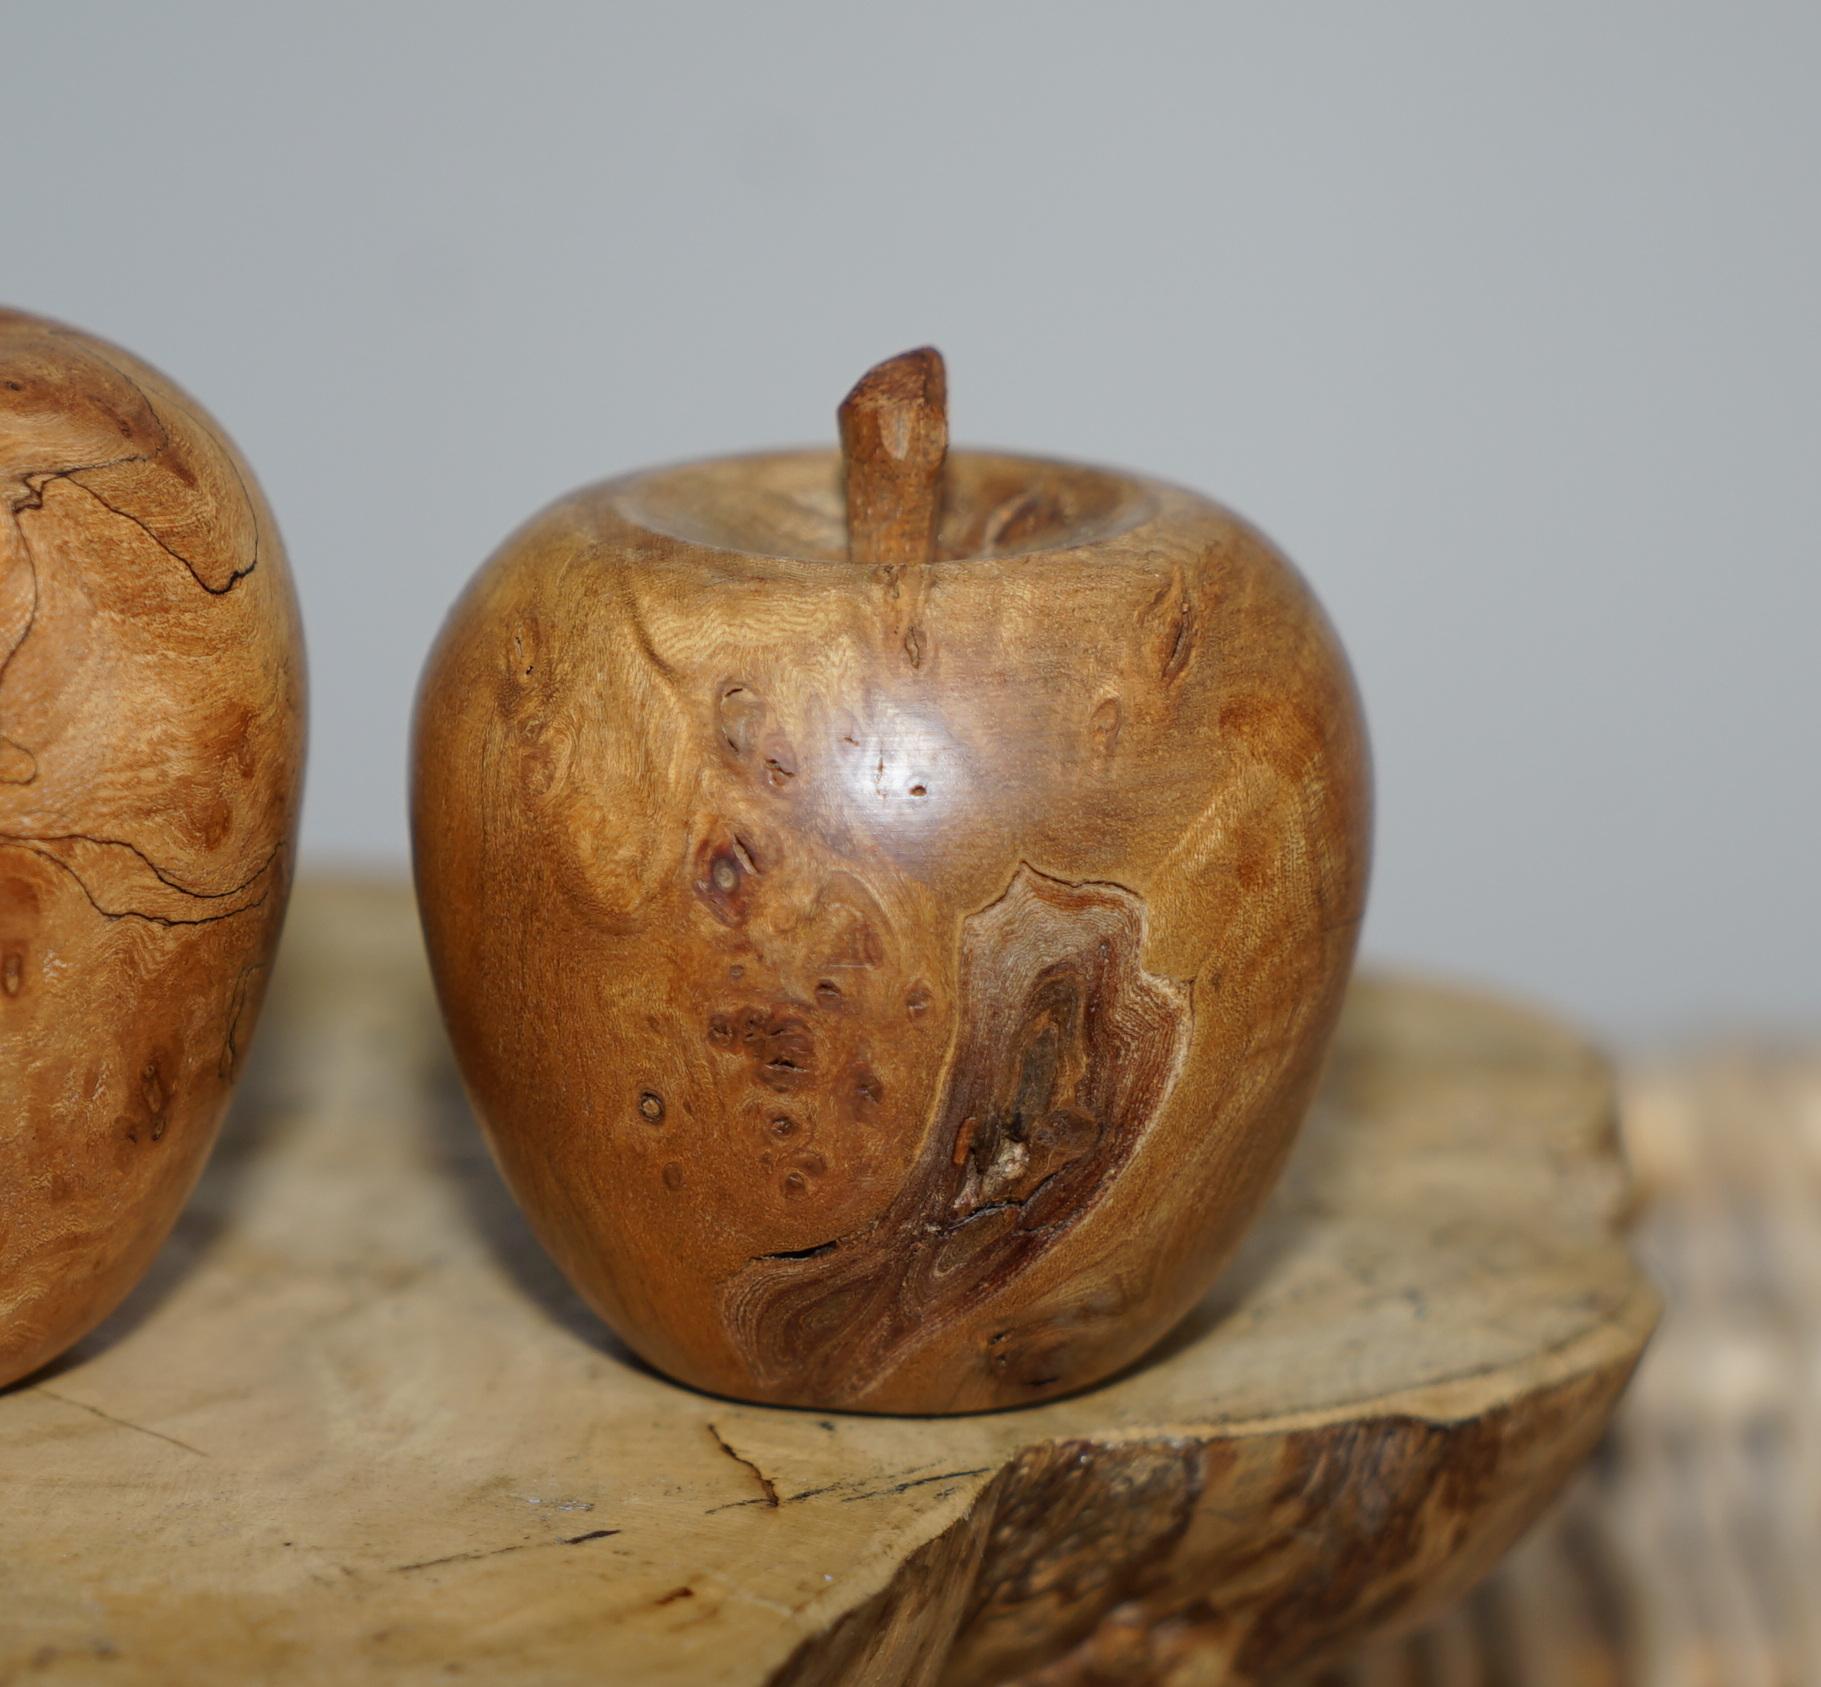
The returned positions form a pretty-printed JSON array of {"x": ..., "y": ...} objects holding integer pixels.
[
  {"x": 764, "y": 1481},
  {"x": 1066, "y": 1050},
  {"x": 58, "y": 862},
  {"x": 123, "y": 1423}
]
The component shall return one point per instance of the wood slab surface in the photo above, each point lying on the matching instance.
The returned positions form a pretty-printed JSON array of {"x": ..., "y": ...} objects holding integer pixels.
[{"x": 355, "y": 1428}]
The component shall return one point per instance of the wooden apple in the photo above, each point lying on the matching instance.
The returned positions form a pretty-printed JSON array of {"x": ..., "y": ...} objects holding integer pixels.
[
  {"x": 890, "y": 956},
  {"x": 151, "y": 744}
]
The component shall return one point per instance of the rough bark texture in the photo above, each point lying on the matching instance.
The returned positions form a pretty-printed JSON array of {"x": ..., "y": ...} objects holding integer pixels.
[
  {"x": 890, "y": 987},
  {"x": 151, "y": 743},
  {"x": 356, "y": 1428}
]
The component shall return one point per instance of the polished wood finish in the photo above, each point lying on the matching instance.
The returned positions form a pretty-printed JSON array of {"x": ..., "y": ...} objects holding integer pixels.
[
  {"x": 151, "y": 741},
  {"x": 356, "y": 1429},
  {"x": 890, "y": 986},
  {"x": 894, "y": 441}
]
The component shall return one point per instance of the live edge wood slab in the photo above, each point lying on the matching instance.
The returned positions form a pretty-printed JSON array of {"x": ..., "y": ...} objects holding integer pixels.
[{"x": 355, "y": 1427}]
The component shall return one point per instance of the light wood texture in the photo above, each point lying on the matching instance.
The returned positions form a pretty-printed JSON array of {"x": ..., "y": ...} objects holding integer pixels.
[
  {"x": 356, "y": 1428},
  {"x": 890, "y": 987},
  {"x": 151, "y": 743},
  {"x": 1689, "y": 1554}
]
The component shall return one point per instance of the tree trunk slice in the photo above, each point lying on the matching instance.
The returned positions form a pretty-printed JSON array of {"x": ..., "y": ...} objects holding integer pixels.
[{"x": 355, "y": 1428}]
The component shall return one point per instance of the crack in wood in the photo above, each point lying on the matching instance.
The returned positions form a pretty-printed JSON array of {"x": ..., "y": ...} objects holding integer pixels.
[
  {"x": 764, "y": 1481},
  {"x": 122, "y": 1423},
  {"x": 500, "y": 1551}
]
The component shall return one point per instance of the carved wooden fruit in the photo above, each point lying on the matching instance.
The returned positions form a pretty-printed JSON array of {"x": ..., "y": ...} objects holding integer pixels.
[
  {"x": 151, "y": 744},
  {"x": 889, "y": 980}
]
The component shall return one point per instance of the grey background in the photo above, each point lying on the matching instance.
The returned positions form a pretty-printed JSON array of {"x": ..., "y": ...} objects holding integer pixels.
[{"x": 1502, "y": 319}]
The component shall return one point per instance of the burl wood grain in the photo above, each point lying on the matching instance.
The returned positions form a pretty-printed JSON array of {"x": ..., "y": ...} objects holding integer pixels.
[
  {"x": 891, "y": 987},
  {"x": 1068, "y": 1047},
  {"x": 151, "y": 740}
]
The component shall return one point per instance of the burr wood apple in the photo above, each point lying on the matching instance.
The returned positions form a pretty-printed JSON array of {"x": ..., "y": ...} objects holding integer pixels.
[
  {"x": 151, "y": 743},
  {"x": 889, "y": 907}
]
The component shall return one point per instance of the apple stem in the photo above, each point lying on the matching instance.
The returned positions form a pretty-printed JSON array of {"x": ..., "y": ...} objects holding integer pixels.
[{"x": 894, "y": 439}]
